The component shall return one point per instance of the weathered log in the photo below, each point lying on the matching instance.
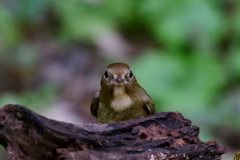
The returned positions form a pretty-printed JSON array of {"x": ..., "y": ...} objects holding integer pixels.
[{"x": 166, "y": 135}]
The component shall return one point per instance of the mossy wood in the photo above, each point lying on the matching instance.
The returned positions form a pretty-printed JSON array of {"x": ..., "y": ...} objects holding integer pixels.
[{"x": 166, "y": 135}]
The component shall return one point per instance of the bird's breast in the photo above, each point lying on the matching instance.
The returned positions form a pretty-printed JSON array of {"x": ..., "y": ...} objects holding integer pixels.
[{"x": 121, "y": 100}]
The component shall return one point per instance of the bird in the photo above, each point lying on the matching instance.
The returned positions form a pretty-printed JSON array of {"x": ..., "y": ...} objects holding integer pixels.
[{"x": 120, "y": 97}]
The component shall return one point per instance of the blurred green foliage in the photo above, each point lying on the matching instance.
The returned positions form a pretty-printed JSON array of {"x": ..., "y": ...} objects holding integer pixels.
[
  {"x": 193, "y": 66},
  {"x": 36, "y": 100}
]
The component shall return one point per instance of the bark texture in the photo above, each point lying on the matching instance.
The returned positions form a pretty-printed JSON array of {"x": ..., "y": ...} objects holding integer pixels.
[{"x": 166, "y": 135}]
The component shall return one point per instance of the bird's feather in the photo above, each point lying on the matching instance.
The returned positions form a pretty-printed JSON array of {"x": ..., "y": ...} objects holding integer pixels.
[
  {"x": 149, "y": 106},
  {"x": 94, "y": 104}
]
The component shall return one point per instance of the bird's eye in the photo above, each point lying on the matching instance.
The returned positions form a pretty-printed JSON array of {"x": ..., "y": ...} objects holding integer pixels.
[
  {"x": 130, "y": 74},
  {"x": 106, "y": 74}
]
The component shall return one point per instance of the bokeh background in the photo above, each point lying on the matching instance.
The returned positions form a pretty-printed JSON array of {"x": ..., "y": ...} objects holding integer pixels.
[{"x": 186, "y": 54}]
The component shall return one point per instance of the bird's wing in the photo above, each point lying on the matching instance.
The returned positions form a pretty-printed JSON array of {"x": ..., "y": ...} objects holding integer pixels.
[
  {"x": 149, "y": 106},
  {"x": 94, "y": 104}
]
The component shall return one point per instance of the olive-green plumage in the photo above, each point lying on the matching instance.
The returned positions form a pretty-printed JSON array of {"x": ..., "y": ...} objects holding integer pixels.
[{"x": 120, "y": 97}]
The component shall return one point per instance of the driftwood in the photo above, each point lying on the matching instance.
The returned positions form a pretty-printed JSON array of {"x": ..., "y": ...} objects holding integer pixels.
[{"x": 166, "y": 135}]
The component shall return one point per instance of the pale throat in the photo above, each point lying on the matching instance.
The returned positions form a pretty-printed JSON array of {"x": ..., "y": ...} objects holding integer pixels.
[{"x": 121, "y": 100}]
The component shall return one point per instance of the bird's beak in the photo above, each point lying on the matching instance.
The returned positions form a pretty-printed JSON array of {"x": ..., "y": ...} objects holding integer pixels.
[{"x": 119, "y": 80}]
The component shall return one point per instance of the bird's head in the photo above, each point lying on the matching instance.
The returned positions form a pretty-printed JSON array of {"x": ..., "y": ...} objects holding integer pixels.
[{"x": 118, "y": 74}]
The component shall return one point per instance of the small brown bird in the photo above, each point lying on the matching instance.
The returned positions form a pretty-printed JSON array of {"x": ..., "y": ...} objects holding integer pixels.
[{"x": 120, "y": 97}]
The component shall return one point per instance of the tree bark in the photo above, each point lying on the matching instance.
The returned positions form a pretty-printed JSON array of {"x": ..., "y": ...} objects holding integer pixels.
[{"x": 166, "y": 135}]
